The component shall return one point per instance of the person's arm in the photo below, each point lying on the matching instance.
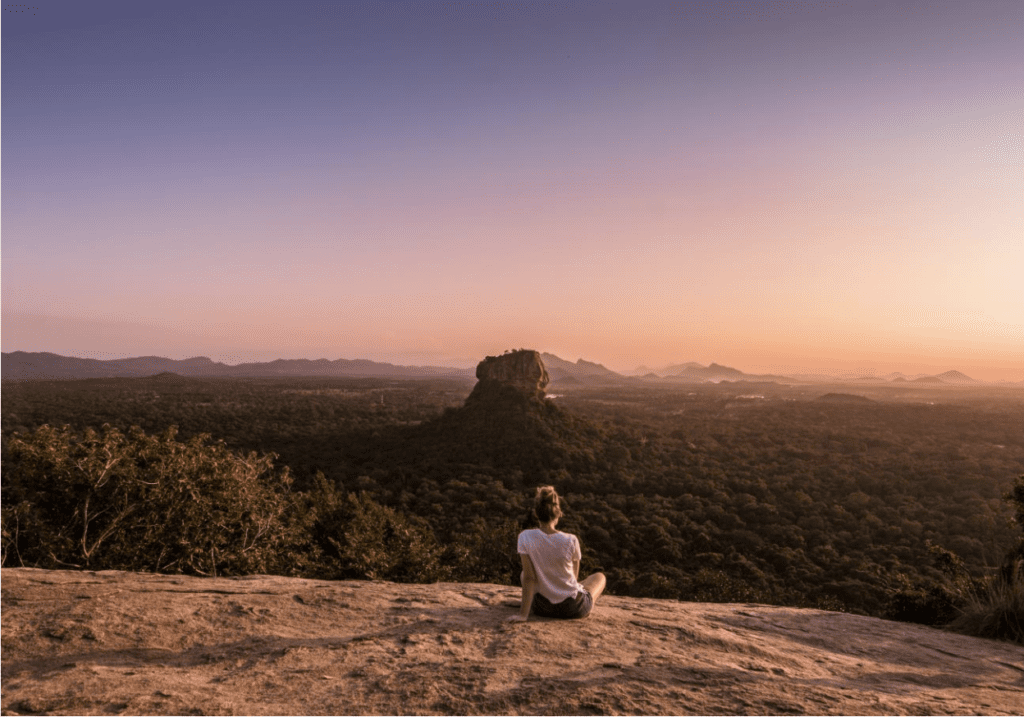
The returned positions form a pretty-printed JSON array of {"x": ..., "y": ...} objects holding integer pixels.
[
  {"x": 576, "y": 557},
  {"x": 529, "y": 580}
]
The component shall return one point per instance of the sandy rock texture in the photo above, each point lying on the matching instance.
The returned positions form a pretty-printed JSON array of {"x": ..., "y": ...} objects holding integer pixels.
[{"x": 114, "y": 642}]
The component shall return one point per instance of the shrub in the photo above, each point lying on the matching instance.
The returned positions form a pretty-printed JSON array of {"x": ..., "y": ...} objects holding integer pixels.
[
  {"x": 1016, "y": 500},
  {"x": 932, "y": 601},
  {"x": 106, "y": 500},
  {"x": 713, "y": 585},
  {"x": 925, "y": 604},
  {"x": 354, "y": 537},
  {"x": 996, "y": 608},
  {"x": 997, "y": 611},
  {"x": 486, "y": 552}
]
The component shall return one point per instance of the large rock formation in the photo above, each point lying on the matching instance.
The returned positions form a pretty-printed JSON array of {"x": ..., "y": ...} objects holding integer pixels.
[
  {"x": 522, "y": 369},
  {"x": 507, "y": 422},
  {"x": 135, "y": 643}
]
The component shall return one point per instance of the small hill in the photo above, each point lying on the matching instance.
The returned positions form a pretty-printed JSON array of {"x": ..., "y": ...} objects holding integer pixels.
[
  {"x": 137, "y": 643},
  {"x": 716, "y": 373},
  {"x": 928, "y": 379},
  {"x": 165, "y": 377},
  {"x": 955, "y": 377},
  {"x": 687, "y": 378},
  {"x": 680, "y": 367},
  {"x": 844, "y": 398}
]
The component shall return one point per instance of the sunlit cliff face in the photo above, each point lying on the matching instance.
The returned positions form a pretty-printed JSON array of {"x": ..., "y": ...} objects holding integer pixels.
[{"x": 523, "y": 368}]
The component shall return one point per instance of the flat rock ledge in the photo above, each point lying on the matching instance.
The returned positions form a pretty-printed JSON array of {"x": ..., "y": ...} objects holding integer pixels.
[{"x": 115, "y": 642}]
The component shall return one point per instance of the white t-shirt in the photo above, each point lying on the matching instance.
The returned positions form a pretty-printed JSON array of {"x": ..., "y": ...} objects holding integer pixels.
[{"x": 552, "y": 557}]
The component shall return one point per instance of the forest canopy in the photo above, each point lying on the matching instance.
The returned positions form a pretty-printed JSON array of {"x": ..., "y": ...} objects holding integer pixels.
[{"x": 704, "y": 493}]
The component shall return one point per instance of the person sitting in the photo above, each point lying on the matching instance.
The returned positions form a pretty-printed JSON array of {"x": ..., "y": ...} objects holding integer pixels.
[{"x": 551, "y": 564}]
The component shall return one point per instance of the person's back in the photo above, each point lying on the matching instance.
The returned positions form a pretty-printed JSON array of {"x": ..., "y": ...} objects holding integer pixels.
[
  {"x": 552, "y": 556},
  {"x": 551, "y": 564}
]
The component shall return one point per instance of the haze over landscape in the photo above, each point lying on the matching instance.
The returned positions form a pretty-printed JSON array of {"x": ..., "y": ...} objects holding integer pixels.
[{"x": 779, "y": 187}]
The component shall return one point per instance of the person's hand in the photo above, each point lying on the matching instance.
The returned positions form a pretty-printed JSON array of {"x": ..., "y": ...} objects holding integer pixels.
[{"x": 515, "y": 618}]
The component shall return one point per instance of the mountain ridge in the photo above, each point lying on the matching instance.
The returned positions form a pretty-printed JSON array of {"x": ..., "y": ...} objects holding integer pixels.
[
  {"x": 44, "y": 365},
  {"x": 582, "y": 371}
]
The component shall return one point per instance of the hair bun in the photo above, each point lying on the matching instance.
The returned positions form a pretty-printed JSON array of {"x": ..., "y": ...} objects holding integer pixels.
[{"x": 546, "y": 504}]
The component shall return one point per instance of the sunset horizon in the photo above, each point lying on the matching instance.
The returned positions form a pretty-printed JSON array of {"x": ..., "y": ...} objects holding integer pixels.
[
  {"x": 776, "y": 187},
  {"x": 848, "y": 371}
]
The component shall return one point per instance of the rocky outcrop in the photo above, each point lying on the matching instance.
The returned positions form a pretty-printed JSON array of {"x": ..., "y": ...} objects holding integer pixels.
[
  {"x": 508, "y": 422},
  {"x": 135, "y": 643},
  {"x": 523, "y": 370}
]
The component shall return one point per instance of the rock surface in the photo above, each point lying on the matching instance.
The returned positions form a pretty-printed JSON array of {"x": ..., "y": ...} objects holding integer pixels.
[
  {"x": 523, "y": 369},
  {"x": 113, "y": 642}
]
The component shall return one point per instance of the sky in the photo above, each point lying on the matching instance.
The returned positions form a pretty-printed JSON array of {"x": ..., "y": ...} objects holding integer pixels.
[{"x": 773, "y": 186}]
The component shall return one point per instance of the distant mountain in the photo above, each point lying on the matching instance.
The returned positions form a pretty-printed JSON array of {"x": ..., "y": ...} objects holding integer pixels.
[
  {"x": 22, "y": 365},
  {"x": 955, "y": 377},
  {"x": 949, "y": 377},
  {"x": 582, "y": 371},
  {"x": 713, "y": 373},
  {"x": 716, "y": 373},
  {"x": 679, "y": 368}
]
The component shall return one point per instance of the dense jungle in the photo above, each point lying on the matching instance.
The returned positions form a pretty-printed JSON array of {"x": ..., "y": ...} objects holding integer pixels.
[{"x": 878, "y": 500}]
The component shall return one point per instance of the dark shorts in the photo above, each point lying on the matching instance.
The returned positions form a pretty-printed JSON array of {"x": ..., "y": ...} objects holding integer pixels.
[{"x": 568, "y": 609}]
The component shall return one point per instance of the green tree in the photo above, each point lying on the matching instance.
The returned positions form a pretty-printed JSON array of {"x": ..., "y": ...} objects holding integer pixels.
[
  {"x": 1016, "y": 500},
  {"x": 354, "y": 537},
  {"x": 106, "y": 500}
]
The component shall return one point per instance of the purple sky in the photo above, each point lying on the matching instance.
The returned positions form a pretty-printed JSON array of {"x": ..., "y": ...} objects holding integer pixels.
[{"x": 768, "y": 185}]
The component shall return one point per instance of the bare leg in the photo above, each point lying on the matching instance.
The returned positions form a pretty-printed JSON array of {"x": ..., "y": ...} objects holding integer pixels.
[{"x": 595, "y": 585}]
